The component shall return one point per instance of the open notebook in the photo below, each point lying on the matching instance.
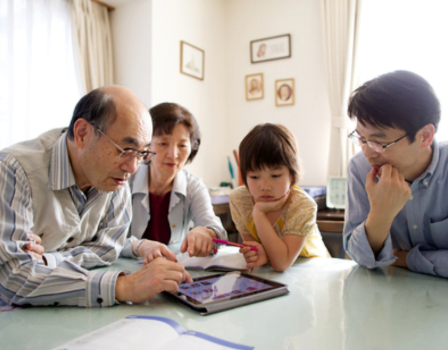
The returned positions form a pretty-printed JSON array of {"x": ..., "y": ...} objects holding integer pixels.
[
  {"x": 227, "y": 259},
  {"x": 148, "y": 332}
]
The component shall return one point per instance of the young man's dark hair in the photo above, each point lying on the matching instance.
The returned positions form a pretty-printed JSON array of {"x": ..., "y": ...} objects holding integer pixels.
[{"x": 400, "y": 99}]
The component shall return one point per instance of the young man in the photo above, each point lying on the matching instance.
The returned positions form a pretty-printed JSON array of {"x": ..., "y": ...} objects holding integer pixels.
[
  {"x": 397, "y": 211},
  {"x": 67, "y": 190}
]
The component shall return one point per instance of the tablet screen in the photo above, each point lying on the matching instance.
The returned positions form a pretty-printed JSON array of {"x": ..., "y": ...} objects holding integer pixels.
[{"x": 216, "y": 288}]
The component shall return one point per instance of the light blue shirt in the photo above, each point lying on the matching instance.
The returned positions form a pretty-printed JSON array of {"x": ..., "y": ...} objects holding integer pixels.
[
  {"x": 189, "y": 201},
  {"x": 421, "y": 227}
]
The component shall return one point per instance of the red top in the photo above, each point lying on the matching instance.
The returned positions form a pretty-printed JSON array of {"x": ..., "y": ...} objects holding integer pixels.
[{"x": 158, "y": 228}]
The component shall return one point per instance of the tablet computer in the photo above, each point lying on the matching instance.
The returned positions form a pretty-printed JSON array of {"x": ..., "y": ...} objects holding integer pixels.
[{"x": 214, "y": 293}]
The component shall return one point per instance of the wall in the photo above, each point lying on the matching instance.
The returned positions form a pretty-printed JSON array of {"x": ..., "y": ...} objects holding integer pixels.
[
  {"x": 200, "y": 23},
  {"x": 147, "y": 59},
  {"x": 131, "y": 31},
  {"x": 309, "y": 117},
  {"x": 147, "y": 37}
]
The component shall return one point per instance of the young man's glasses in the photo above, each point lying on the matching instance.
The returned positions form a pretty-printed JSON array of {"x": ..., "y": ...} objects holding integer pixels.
[
  {"x": 130, "y": 153},
  {"x": 373, "y": 145}
]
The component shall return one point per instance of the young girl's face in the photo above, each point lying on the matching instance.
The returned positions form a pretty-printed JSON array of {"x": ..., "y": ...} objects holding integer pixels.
[{"x": 269, "y": 184}]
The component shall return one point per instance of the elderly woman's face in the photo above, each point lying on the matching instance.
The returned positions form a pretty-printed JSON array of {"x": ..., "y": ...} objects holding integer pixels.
[{"x": 172, "y": 151}]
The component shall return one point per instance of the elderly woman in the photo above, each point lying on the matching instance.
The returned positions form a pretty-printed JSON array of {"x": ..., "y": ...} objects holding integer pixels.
[{"x": 165, "y": 197}]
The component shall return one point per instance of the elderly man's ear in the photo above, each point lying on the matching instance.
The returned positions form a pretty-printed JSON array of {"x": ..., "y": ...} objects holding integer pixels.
[{"x": 82, "y": 130}]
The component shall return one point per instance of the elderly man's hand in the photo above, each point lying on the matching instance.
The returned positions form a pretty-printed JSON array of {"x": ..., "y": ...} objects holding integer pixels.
[
  {"x": 157, "y": 276},
  {"x": 34, "y": 247}
]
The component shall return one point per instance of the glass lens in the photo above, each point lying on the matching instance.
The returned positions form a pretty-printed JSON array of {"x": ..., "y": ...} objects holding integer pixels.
[
  {"x": 356, "y": 140},
  {"x": 147, "y": 157},
  {"x": 129, "y": 153},
  {"x": 375, "y": 146}
]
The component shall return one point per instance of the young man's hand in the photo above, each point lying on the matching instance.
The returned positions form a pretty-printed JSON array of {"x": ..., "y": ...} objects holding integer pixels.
[
  {"x": 389, "y": 195},
  {"x": 401, "y": 261}
]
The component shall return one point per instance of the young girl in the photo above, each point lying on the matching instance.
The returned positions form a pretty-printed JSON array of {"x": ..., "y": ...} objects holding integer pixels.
[{"x": 270, "y": 212}]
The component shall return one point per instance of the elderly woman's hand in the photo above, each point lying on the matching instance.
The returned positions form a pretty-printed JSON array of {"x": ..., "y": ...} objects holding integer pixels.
[
  {"x": 199, "y": 242},
  {"x": 150, "y": 250}
]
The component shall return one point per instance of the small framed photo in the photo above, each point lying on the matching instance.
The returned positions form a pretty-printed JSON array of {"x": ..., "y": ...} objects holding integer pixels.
[
  {"x": 284, "y": 92},
  {"x": 192, "y": 60},
  {"x": 254, "y": 87},
  {"x": 268, "y": 49}
]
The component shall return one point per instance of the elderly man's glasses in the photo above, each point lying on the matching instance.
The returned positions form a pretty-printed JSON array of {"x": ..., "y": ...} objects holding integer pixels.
[
  {"x": 373, "y": 145},
  {"x": 130, "y": 153}
]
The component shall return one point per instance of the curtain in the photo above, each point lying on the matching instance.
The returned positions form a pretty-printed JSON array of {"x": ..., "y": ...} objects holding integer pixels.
[
  {"x": 94, "y": 44},
  {"x": 38, "y": 84},
  {"x": 340, "y": 21}
]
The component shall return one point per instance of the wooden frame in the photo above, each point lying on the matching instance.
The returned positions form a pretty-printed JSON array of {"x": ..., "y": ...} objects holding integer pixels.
[
  {"x": 269, "y": 49},
  {"x": 192, "y": 60},
  {"x": 284, "y": 92},
  {"x": 254, "y": 87}
]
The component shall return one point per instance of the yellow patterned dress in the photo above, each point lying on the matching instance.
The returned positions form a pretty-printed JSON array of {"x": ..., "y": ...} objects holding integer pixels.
[{"x": 297, "y": 218}]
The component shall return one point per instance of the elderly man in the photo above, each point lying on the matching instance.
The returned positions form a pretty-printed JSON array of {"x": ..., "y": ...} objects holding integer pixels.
[
  {"x": 67, "y": 190},
  {"x": 397, "y": 186}
]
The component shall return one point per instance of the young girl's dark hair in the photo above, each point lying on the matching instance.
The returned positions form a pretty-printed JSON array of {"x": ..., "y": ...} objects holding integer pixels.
[{"x": 269, "y": 146}]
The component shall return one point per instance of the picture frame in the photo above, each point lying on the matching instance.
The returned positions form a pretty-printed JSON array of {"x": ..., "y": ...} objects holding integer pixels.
[
  {"x": 254, "y": 87},
  {"x": 284, "y": 92},
  {"x": 192, "y": 60},
  {"x": 269, "y": 49}
]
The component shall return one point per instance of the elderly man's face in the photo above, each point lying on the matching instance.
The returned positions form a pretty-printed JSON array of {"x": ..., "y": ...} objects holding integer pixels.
[{"x": 101, "y": 164}]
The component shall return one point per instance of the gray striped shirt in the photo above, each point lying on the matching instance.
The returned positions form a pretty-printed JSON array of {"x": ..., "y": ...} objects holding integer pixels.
[{"x": 65, "y": 280}]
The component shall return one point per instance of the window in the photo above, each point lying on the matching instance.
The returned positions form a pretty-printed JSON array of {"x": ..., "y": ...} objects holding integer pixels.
[
  {"x": 407, "y": 35},
  {"x": 38, "y": 84}
]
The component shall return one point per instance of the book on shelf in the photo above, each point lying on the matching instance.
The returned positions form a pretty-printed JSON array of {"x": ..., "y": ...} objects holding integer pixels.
[
  {"x": 148, "y": 332},
  {"x": 227, "y": 259}
]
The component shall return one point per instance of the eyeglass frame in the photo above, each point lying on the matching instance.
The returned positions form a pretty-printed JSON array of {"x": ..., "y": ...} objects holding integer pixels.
[
  {"x": 352, "y": 137},
  {"x": 139, "y": 155}
]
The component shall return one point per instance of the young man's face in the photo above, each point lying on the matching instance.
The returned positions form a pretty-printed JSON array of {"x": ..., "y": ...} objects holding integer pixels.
[{"x": 403, "y": 155}]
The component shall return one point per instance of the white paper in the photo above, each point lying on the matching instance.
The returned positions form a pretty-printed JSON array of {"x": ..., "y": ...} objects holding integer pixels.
[
  {"x": 126, "y": 334},
  {"x": 228, "y": 257},
  {"x": 146, "y": 333}
]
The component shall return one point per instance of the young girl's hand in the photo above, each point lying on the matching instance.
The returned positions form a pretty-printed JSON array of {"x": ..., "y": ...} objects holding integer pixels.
[
  {"x": 254, "y": 258},
  {"x": 269, "y": 207}
]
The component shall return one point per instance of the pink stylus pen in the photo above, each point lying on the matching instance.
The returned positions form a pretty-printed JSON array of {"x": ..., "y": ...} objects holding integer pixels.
[{"x": 222, "y": 241}]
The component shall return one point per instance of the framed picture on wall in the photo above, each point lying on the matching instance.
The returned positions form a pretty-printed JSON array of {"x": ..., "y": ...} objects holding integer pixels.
[
  {"x": 284, "y": 92},
  {"x": 192, "y": 60},
  {"x": 268, "y": 49},
  {"x": 254, "y": 86}
]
